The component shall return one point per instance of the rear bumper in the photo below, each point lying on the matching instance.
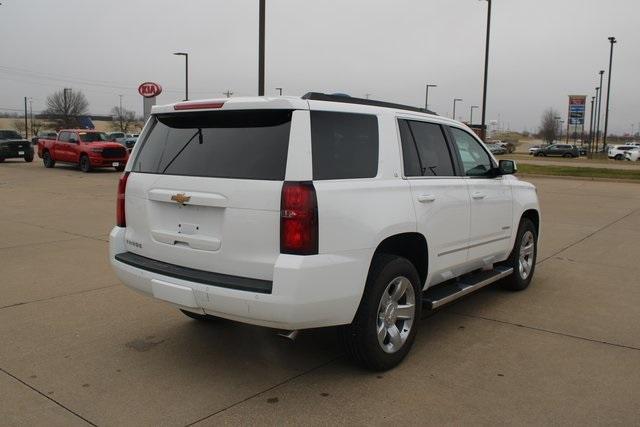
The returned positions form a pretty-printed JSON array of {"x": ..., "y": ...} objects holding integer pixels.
[{"x": 307, "y": 291}]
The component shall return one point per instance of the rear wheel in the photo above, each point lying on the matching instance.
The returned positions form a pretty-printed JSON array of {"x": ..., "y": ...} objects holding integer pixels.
[
  {"x": 85, "y": 163},
  {"x": 567, "y": 155},
  {"x": 523, "y": 257},
  {"x": 385, "y": 325},
  {"x": 618, "y": 157},
  {"x": 47, "y": 160}
]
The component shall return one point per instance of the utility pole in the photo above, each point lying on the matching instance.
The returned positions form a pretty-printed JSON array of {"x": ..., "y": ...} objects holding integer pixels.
[
  {"x": 486, "y": 73},
  {"x": 279, "y": 89},
  {"x": 454, "y": 107},
  {"x": 471, "y": 114},
  {"x": 186, "y": 73},
  {"x": 228, "y": 93},
  {"x": 593, "y": 100},
  {"x": 426, "y": 100},
  {"x": 613, "y": 41},
  {"x": 120, "y": 114},
  {"x": 26, "y": 121},
  {"x": 31, "y": 114},
  {"x": 367, "y": 95},
  {"x": 599, "y": 102},
  {"x": 261, "y": 31}
]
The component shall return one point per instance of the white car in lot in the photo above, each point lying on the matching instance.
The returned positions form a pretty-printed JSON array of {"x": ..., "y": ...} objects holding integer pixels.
[
  {"x": 617, "y": 151},
  {"x": 632, "y": 154},
  {"x": 296, "y": 213}
]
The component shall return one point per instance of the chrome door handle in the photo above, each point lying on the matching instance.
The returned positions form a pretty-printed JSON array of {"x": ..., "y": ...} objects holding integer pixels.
[
  {"x": 477, "y": 195},
  {"x": 425, "y": 198}
]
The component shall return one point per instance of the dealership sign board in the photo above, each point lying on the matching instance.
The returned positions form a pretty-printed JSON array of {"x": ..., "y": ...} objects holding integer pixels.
[
  {"x": 149, "y": 91},
  {"x": 577, "y": 104}
]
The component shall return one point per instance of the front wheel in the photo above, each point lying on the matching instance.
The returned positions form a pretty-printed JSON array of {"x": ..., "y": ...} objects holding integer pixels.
[
  {"x": 618, "y": 157},
  {"x": 523, "y": 257},
  {"x": 47, "y": 160},
  {"x": 85, "y": 164},
  {"x": 120, "y": 167},
  {"x": 386, "y": 322},
  {"x": 28, "y": 157}
]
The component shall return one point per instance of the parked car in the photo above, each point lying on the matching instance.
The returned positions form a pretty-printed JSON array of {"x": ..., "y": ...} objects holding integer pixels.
[
  {"x": 117, "y": 136},
  {"x": 13, "y": 145},
  {"x": 47, "y": 134},
  {"x": 534, "y": 149},
  {"x": 561, "y": 150},
  {"x": 86, "y": 148},
  {"x": 632, "y": 154},
  {"x": 296, "y": 213},
  {"x": 133, "y": 135},
  {"x": 129, "y": 143},
  {"x": 496, "y": 149},
  {"x": 617, "y": 151}
]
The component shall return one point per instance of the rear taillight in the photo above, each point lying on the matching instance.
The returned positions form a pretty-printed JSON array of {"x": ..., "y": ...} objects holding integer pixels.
[
  {"x": 298, "y": 219},
  {"x": 122, "y": 188}
]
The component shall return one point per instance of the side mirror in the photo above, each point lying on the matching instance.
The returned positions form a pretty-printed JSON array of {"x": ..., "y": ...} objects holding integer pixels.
[{"x": 507, "y": 167}]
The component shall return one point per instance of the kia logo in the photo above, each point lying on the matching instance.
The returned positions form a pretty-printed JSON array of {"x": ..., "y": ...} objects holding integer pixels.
[{"x": 149, "y": 89}]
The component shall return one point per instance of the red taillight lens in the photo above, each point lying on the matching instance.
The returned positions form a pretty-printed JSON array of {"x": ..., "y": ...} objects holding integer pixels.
[
  {"x": 197, "y": 105},
  {"x": 298, "y": 219},
  {"x": 122, "y": 188}
]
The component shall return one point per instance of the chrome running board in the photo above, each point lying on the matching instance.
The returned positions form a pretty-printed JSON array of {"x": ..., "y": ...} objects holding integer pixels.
[{"x": 439, "y": 295}]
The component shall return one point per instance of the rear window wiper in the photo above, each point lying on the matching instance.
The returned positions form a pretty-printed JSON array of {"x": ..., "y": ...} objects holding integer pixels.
[{"x": 200, "y": 141}]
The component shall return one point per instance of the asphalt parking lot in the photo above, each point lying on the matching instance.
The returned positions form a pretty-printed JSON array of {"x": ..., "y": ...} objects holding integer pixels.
[{"x": 78, "y": 348}]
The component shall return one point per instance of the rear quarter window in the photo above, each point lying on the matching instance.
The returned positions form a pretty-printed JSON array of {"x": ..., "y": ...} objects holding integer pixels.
[
  {"x": 344, "y": 145},
  {"x": 241, "y": 144}
]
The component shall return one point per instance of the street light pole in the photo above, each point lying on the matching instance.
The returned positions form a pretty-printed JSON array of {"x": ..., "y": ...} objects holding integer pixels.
[
  {"x": 261, "y": 31},
  {"x": 613, "y": 41},
  {"x": 599, "y": 105},
  {"x": 186, "y": 73},
  {"x": 486, "y": 73},
  {"x": 454, "y": 107},
  {"x": 471, "y": 115},
  {"x": 426, "y": 100},
  {"x": 279, "y": 89},
  {"x": 593, "y": 100}
]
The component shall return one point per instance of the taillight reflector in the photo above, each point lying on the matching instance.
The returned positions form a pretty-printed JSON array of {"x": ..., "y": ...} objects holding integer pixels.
[
  {"x": 120, "y": 213},
  {"x": 298, "y": 219},
  {"x": 198, "y": 105}
]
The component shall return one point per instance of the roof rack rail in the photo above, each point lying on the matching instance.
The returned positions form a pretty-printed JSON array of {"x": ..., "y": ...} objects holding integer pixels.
[{"x": 318, "y": 96}]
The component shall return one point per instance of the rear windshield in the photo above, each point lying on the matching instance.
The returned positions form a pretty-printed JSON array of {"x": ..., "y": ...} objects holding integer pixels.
[
  {"x": 248, "y": 144},
  {"x": 344, "y": 145}
]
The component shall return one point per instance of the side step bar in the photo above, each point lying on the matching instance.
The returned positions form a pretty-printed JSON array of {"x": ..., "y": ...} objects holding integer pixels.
[{"x": 439, "y": 295}]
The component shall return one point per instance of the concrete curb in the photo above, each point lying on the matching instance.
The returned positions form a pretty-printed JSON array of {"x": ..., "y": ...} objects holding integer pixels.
[{"x": 579, "y": 178}]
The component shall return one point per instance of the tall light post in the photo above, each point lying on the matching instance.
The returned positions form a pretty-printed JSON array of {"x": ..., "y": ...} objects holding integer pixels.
[
  {"x": 261, "y": 32},
  {"x": 426, "y": 99},
  {"x": 593, "y": 100},
  {"x": 613, "y": 41},
  {"x": 599, "y": 106},
  {"x": 471, "y": 114},
  {"x": 279, "y": 89},
  {"x": 186, "y": 73},
  {"x": 454, "y": 107},
  {"x": 486, "y": 72}
]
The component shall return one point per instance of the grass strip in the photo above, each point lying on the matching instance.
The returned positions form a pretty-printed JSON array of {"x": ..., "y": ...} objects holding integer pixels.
[{"x": 579, "y": 171}]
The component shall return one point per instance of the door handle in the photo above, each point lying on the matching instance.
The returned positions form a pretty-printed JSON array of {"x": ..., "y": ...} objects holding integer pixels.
[
  {"x": 478, "y": 195},
  {"x": 425, "y": 198}
]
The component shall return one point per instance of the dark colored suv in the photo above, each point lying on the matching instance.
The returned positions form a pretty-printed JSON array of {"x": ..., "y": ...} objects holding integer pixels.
[{"x": 560, "y": 150}]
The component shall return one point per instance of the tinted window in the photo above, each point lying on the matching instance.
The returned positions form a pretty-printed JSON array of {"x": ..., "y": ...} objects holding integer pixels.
[
  {"x": 249, "y": 144},
  {"x": 93, "y": 136},
  {"x": 409, "y": 154},
  {"x": 64, "y": 136},
  {"x": 435, "y": 159},
  {"x": 344, "y": 145},
  {"x": 475, "y": 160}
]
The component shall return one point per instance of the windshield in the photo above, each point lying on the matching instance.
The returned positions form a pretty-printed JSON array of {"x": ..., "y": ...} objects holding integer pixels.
[
  {"x": 9, "y": 134},
  {"x": 93, "y": 136}
]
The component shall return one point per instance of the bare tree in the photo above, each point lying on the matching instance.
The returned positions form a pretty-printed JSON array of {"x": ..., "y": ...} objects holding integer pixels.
[
  {"x": 549, "y": 126},
  {"x": 66, "y": 106},
  {"x": 123, "y": 120}
]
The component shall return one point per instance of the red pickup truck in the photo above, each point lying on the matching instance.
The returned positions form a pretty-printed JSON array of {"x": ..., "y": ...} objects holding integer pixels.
[{"x": 85, "y": 148}]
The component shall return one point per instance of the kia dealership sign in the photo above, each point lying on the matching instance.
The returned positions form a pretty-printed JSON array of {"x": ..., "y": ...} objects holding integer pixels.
[{"x": 149, "y": 89}]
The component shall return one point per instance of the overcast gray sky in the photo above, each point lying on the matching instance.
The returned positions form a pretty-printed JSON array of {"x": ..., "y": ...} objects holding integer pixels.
[{"x": 541, "y": 51}]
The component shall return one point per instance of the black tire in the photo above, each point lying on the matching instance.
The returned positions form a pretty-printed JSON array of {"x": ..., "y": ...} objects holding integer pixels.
[
  {"x": 85, "y": 163},
  {"x": 618, "y": 157},
  {"x": 28, "y": 157},
  {"x": 1, "y": 159},
  {"x": 120, "y": 168},
  {"x": 518, "y": 280},
  {"x": 47, "y": 160},
  {"x": 196, "y": 316},
  {"x": 360, "y": 338},
  {"x": 567, "y": 155}
]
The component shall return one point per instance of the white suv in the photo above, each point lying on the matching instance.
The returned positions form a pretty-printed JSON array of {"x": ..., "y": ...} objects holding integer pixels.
[{"x": 325, "y": 210}]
